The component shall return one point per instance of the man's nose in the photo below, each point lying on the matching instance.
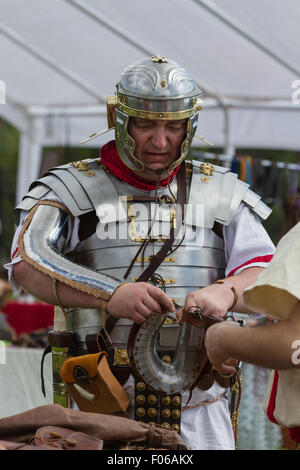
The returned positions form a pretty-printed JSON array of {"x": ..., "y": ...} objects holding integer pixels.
[{"x": 159, "y": 138}]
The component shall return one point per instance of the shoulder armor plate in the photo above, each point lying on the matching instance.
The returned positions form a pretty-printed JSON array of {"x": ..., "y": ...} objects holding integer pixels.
[
  {"x": 220, "y": 194},
  {"x": 82, "y": 186}
]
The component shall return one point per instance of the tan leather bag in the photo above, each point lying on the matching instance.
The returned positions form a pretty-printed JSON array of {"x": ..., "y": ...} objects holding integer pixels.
[{"x": 93, "y": 386}]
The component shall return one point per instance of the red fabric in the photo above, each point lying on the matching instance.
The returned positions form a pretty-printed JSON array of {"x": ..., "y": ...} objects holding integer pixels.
[
  {"x": 25, "y": 317},
  {"x": 272, "y": 400},
  {"x": 110, "y": 157},
  {"x": 258, "y": 259},
  {"x": 294, "y": 434}
]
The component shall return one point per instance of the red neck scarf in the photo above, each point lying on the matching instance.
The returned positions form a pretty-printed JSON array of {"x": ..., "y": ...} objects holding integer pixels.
[{"x": 110, "y": 157}]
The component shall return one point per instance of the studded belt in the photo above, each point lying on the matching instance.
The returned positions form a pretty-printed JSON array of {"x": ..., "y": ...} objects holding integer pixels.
[
  {"x": 153, "y": 408},
  {"x": 150, "y": 407}
]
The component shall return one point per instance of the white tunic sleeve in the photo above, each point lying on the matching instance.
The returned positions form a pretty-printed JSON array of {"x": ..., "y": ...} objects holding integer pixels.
[{"x": 247, "y": 243}]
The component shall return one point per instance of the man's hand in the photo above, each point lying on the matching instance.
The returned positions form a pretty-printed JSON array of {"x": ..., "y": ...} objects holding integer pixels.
[
  {"x": 213, "y": 300},
  {"x": 137, "y": 301},
  {"x": 216, "y": 347}
]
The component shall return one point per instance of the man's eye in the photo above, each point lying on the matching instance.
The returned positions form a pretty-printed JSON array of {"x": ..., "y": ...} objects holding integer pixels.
[{"x": 143, "y": 126}]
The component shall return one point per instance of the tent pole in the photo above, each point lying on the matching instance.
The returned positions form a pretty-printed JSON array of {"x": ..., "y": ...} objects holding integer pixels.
[{"x": 229, "y": 147}]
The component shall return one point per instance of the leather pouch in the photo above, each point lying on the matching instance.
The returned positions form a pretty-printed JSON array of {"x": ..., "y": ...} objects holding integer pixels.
[{"x": 93, "y": 386}]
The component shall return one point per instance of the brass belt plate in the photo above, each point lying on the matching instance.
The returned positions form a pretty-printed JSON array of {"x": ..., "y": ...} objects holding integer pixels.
[{"x": 121, "y": 357}]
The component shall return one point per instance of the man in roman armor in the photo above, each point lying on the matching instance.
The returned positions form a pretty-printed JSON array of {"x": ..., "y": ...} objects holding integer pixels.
[{"x": 87, "y": 231}]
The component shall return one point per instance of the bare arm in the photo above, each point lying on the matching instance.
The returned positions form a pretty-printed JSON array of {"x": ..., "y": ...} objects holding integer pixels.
[
  {"x": 275, "y": 346},
  {"x": 217, "y": 299},
  {"x": 135, "y": 301},
  {"x": 40, "y": 285}
]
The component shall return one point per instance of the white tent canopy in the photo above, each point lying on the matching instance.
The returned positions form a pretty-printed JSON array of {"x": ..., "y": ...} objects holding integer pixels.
[{"x": 60, "y": 59}]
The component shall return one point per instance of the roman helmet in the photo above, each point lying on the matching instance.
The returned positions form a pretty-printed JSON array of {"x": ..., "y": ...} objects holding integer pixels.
[{"x": 152, "y": 88}]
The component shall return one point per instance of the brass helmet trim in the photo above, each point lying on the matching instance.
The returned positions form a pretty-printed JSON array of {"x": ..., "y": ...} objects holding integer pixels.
[{"x": 161, "y": 115}]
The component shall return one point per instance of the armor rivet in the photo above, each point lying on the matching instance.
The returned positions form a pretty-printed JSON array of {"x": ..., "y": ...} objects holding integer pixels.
[
  {"x": 140, "y": 412},
  {"x": 140, "y": 399},
  {"x": 175, "y": 414},
  {"x": 128, "y": 143},
  {"x": 169, "y": 321},
  {"x": 123, "y": 99},
  {"x": 166, "y": 413},
  {"x": 207, "y": 169},
  {"x": 166, "y": 401},
  {"x": 176, "y": 427},
  {"x": 167, "y": 359},
  {"x": 163, "y": 83},
  {"x": 159, "y": 59},
  {"x": 166, "y": 425},
  {"x": 141, "y": 386},
  {"x": 152, "y": 412},
  {"x": 152, "y": 423},
  {"x": 89, "y": 173},
  {"x": 152, "y": 399},
  {"x": 205, "y": 179},
  {"x": 176, "y": 401}
]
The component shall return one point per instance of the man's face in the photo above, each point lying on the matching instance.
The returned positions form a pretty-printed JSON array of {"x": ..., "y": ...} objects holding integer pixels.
[{"x": 157, "y": 144}]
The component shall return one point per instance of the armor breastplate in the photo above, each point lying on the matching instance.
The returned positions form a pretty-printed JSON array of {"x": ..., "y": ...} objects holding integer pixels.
[
  {"x": 214, "y": 194},
  {"x": 197, "y": 261}
]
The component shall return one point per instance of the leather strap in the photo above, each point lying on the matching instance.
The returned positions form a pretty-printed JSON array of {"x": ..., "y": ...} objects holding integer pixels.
[
  {"x": 160, "y": 256},
  {"x": 92, "y": 341},
  {"x": 97, "y": 342},
  {"x": 157, "y": 260},
  {"x": 46, "y": 351}
]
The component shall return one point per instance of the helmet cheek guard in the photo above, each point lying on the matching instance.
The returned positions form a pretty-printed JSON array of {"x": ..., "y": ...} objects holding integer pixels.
[
  {"x": 191, "y": 127},
  {"x": 125, "y": 143}
]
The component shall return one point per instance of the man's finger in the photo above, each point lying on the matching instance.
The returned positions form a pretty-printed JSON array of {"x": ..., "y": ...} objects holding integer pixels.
[
  {"x": 138, "y": 318},
  {"x": 225, "y": 371},
  {"x": 152, "y": 304},
  {"x": 161, "y": 298},
  {"x": 143, "y": 310},
  {"x": 179, "y": 314}
]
